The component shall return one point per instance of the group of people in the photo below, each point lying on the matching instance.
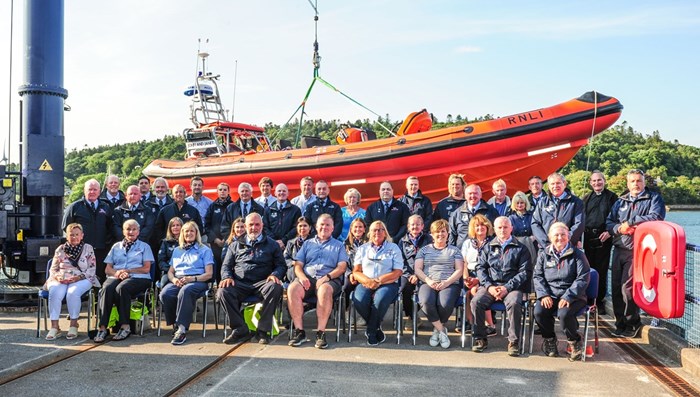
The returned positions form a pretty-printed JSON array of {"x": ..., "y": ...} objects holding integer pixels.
[{"x": 396, "y": 248}]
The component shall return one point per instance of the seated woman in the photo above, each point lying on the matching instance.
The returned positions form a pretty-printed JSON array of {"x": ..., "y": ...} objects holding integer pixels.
[
  {"x": 294, "y": 245},
  {"x": 479, "y": 235},
  {"x": 72, "y": 274},
  {"x": 128, "y": 274},
  {"x": 439, "y": 267},
  {"x": 561, "y": 278},
  {"x": 192, "y": 266},
  {"x": 171, "y": 240},
  {"x": 378, "y": 266},
  {"x": 351, "y": 211},
  {"x": 356, "y": 238}
]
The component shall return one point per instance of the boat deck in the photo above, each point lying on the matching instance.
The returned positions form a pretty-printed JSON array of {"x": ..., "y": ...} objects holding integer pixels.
[{"x": 149, "y": 365}]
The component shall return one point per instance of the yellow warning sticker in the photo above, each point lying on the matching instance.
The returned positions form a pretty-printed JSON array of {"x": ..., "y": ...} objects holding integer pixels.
[{"x": 45, "y": 166}]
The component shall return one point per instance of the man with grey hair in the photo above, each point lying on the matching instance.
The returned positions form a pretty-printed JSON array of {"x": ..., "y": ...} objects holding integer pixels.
[
  {"x": 459, "y": 220},
  {"x": 306, "y": 186},
  {"x": 111, "y": 194},
  {"x": 504, "y": 272},
  {"x": 560, "y": 205},
  {"x": 133, "y": 208},
  {"x": 160, "y": 197},
  {"x": 95, "y": 216},
  {"x": 637, "y": 206},
  {"x": 280, "y": 218},
  {"x": 240, "y": 208}
]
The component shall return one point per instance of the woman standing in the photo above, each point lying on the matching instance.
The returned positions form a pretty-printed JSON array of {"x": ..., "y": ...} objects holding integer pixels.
[
  {"x": 128, "y": 274},
  {"x": 378, "y": 264},
  {"x": 351, "y": 211},
  {"x": 192, "y": 266},
  {"x": 439, "y": 267},
  {"x": 72, "y": 274}
]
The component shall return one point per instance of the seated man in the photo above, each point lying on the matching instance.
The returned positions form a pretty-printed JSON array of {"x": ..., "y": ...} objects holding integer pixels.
[
  {"x": 504, "y": 275},
  {"x": 253, "y": 265},
  {"x": 560, "y": 279},
  {"x": 319, "y": 267}
]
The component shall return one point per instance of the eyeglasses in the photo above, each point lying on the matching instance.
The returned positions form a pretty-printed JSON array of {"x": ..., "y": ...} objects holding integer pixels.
[{"x": 636, "y": 171}]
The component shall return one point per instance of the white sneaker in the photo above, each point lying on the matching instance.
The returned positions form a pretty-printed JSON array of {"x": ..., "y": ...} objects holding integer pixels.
[
  {"x": 435, "y": 338},
  {"x": 444, "y": 339}
]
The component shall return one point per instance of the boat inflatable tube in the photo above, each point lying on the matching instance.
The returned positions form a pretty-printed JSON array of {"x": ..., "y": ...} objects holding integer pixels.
[{"x": 659, "y": 263}]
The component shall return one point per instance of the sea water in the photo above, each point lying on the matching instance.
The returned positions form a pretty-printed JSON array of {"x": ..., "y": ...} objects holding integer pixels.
[{"x": 690, "y": 220}]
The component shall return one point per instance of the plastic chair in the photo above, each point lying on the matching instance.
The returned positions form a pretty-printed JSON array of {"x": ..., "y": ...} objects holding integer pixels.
[
  {"x": 460, "y": 315},
  {"x": 203, "y": 295},
  {"x": 397, "y": 314},
  {"x": 588, "y": 310},
  {"x": 527, "y": 311},
  {"x": 43, "y": 301},
  {"x": 338, "y": 310}
]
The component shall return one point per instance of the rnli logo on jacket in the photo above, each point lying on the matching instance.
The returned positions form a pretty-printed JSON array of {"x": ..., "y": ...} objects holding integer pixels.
[
  {"x": 273, "y": 214},
  {"x": 217, "y": 210},
  {"x": 141, "y": 216},
  {"x": 550, "y": 208},
  {"x": 126, "y": 215},
  {"x": 186, "y": 216},
  {"x": 496, "y": 252},
  {"x": 102, "y": 211},
  {"x": 623, "y": 207},
  {"x": 449, "y": 207}
]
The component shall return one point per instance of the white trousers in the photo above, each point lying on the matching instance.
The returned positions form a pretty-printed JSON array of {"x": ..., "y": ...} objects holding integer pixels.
[{"x": 72, "y": 292}]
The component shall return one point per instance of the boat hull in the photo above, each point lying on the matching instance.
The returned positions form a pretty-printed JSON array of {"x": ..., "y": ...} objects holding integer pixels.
[{"x": 511, "y": 148}]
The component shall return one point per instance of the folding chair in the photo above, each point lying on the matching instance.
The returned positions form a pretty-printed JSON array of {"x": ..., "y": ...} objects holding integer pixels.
[
  {"x": 588, "y": 310},
  {"x": 203, "y": 295},
  {"x": 525, "y": 307},
  {"x": 43, "y": 301},
  {"x": 460, "y": 315},
  {"x": 397, "y": 316},
  {"x": 338, "y": 310}
]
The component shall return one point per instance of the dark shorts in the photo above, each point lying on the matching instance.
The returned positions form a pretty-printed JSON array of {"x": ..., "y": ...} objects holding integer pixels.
[{"x": 336, "y": 284}]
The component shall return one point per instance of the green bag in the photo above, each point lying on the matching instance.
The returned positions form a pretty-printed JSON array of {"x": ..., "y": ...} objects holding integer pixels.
[
  {"x": 134, "y": 313},
  {"x": 251, "y": 315},
  {"x": 113, "y": 317}
]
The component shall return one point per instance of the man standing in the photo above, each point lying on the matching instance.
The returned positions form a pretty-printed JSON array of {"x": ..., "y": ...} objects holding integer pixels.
[
  {"x": 504, "y": 272},
  {"x": 240, "y": 208},
  {"x": 560, "y": 205},
  {"x": 631, "y": 209},
  {"x": 266, "y": 197},
  {"x": 179, "y": 208},
  {"x": 160, "y": 198},
  {"x": 448, "y": 205},
  {"x": 213, "y": 219},
  {"x": 324, "y": 205},
  {"x": 134, "y": 209},
  {"x": 393, "y": 213},
  {"x": 145, "y": 189},
  {"x": 306, "y": 185},
  {"x": 597, "y": 242},
  {"x": 95, "y": 216},
  {"x": 319, "y": 267},
  {"x": 500, "y": 200},
  {"x": 197, "y": 199},
  {"x": 417, "y": 203},
  {"x": 535, "y": 184},
  {"x": 112, "y": 195},
  {"x": 459, "y": 220},
  {"x": 281, "y": 217},
  {"x": 253, "y": 265}
]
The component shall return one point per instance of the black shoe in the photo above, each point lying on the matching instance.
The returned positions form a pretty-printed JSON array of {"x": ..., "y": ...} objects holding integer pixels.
[
  {"x": 575, "y": 351},
  {"x": 491, "y": 331},
  {"x": 513, "y": 349},
  {"x": 381, "y": 337},
  {"x": 480, "y": 345},
  {"x": 549, "y": 347},
  {"x": 632, "y": 332},
  {"x": 263, "y": 337},
  {"x": 372, "y": 339},
  {"x": 321, "y": 340},
  {"x": 237, "y": 336},
  {"x": 618, "y": 332},
  {"x": 298, "y": 338},
  {"x": 179, "y": 338}
]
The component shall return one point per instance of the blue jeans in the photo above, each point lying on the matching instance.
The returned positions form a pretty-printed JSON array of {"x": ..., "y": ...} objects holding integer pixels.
[{"x": 372, "y": 305}]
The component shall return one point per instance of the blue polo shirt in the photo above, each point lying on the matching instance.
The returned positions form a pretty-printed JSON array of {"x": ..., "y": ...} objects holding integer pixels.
[
  {"x": 139, "y": 253},
  {"x": 193, "y": 261},
  {"x": 320, "y": 258},
  {"x": 377, "y": 261}
]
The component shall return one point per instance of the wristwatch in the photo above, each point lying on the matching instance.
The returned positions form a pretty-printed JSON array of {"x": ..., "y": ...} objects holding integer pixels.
[{"x": 195, "y": 279}]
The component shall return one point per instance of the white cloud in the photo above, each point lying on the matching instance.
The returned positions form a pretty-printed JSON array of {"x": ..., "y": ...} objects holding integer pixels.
[{"x": 467, "y": 49}]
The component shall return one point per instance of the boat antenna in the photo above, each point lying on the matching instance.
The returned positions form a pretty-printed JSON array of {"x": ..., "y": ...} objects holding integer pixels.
[
  {"x": 316, "y": 60},
  {"x": 235, "y": 79},
  {"x": 9, "y": 89},
  {"x": 595, "y": 115}
]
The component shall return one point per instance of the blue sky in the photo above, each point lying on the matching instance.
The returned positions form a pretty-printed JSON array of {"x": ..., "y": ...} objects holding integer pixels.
[{"x": 127, "y": 62}]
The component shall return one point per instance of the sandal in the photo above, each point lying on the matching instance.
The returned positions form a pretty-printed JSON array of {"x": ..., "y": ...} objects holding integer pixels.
[
  {"x": 72, "y": 333},
  {"x": 101, "y": 336},
  {"x": 53, "y": 334},
  {"x": 122, "y": 334}
]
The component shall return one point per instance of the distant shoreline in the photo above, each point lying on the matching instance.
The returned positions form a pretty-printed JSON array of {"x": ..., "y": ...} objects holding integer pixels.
[{"x": 683, "y": 207}]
